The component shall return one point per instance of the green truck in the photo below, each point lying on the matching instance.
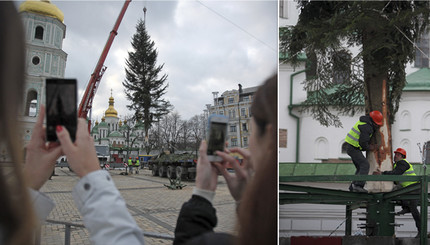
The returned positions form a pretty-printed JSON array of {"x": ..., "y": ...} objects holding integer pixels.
[{"x": 174, "y": 165}]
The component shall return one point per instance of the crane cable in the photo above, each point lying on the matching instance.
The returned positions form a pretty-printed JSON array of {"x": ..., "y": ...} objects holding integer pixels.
[{"x": 236, "y": 25}]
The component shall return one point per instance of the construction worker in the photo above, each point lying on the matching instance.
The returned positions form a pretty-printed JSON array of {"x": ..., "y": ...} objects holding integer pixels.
[
  {"x": 358, "y": 140},
  {"x": 403, "y": 167},
  {"x": 130, "y": 165},
  {"x": 137, "y": 165}
]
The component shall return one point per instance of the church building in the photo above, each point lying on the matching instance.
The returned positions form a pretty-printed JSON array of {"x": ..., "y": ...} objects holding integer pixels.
[
  {"x": 120, "y": 136},
  {"x": 44, "y": 34}
]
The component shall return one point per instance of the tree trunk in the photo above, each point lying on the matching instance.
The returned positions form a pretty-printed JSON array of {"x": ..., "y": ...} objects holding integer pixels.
[{"x": 376, "y": 92}]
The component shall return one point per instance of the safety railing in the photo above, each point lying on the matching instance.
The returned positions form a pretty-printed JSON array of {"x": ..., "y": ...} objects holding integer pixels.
[
  {"x": 289, "y": 193},
  {"x": 69, "y": 225}
]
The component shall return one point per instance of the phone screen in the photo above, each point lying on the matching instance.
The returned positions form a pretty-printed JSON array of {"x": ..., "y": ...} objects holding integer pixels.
[
  {"x": 216, "y": 137},
  {"x": 60, "y": 106}
]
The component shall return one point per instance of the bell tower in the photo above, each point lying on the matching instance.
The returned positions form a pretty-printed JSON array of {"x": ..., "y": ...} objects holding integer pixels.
[{"x": 44, "y": 34}]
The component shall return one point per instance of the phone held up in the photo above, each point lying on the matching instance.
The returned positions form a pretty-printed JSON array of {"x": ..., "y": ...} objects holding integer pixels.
[
  {"x": 60, "y": 106},
  {"x": 216, "y": 136}
]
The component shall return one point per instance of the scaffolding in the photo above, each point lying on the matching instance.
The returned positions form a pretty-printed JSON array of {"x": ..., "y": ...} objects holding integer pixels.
[{"x": 379, "y": 207}]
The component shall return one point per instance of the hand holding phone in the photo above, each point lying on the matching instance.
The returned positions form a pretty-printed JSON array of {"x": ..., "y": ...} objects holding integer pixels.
[
  {"x": 60, "y": 106},
  {"x": 217, "y": 134}
]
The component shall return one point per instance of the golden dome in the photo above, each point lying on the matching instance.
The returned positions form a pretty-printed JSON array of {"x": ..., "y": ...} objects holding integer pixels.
[
  {"x": 111, "y": 112},
  {"x": 43, "y": 7}
]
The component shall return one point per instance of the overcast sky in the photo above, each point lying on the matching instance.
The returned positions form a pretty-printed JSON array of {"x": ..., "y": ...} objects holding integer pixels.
[{"x": 205, "y": 46}]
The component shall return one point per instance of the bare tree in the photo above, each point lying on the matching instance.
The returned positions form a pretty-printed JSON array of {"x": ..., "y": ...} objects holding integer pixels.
[
  {"x": 196, "y": 126},
  {"x": 170, "y": 130}
]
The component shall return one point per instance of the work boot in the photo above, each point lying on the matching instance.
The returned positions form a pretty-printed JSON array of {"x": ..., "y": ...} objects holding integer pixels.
[
  {"x": 403, "y": 211},
  {"x": 357, "y": 188}
]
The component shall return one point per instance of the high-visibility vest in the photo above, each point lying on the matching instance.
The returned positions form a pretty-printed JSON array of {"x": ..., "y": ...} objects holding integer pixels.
[
  {"x": 353, "y": 136},
  {"x": 137, "y": 162},
  {"x": 409, "y": 172},
  {"x": 129, "y": 162}
]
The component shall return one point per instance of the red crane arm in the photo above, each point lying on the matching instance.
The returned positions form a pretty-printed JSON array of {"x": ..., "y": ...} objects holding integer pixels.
[{"x": 96, "y": 76}]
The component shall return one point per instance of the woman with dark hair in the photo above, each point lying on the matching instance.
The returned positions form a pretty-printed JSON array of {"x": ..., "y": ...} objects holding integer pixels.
[{"x": 253, "y": 185}]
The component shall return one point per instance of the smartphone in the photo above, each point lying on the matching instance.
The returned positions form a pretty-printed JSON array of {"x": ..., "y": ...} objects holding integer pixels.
[
  {"x": 216, "y": 136},
  {"x": 60, "y": 106}
]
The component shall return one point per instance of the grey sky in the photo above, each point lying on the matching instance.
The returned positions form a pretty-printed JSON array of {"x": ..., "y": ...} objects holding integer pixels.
[{"x": 205, "y": 46}]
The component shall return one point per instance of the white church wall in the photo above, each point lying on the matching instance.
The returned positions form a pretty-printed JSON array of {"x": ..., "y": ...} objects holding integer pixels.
[
  {"x": 415, "y": 110},
  {"x": 287, "y": 122}
]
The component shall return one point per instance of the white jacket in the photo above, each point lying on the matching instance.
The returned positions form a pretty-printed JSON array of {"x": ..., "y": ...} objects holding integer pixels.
[{"x": 104, "y": 210}]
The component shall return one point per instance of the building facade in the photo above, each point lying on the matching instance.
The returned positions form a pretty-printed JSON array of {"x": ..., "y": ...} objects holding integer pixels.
[
  {"x": 44, "y": 34},
  {"x": 236, "y": 105}
]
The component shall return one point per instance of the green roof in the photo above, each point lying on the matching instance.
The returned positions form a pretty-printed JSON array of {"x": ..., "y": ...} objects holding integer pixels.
[
  {"x": 103, "y": 125},
  {"x": 300, "y": 56},
  {"x": 418, "y": 81},
  {"x": 139, "y": 125},
  {"x": 123, "y": 127},
  {"x": 115, "y": 134},
  {"x": 95, "y": 129}
]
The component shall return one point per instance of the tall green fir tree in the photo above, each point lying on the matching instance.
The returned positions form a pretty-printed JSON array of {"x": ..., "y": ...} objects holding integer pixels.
[
  {"x": 144, "y": 84},
  {"x": 383, "y": 31},
  {"x": 339, "y": 81}
]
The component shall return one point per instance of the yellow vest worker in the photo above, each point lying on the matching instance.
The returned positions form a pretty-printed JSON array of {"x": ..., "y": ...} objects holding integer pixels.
[
  {"x": 403, "y": 167},
  {"x": 358, "y": 139}
]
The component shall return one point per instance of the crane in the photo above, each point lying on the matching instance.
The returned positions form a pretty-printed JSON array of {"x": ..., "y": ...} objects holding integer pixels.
[{"x": 87, "y": 100}]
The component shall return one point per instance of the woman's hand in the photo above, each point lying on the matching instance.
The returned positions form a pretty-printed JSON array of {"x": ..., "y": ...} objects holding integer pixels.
[
  {"x": 81, "y": 155},
  {"x": 236, "y": 182},
  {"x": 207, "y": 174},
  {"x": 40, "y": 157}
]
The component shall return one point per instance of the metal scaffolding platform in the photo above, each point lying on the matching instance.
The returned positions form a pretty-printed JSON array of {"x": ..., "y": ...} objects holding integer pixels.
[{"x": 379, "y": 207}]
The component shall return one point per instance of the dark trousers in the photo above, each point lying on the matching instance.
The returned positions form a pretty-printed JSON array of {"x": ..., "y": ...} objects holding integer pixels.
[
  {"x": 360, "y": 162},
  {"x": 411, "y": 205}
]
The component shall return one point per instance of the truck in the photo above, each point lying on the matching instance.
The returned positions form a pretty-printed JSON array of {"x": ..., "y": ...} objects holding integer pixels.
[{"x": 174, "y": 165}]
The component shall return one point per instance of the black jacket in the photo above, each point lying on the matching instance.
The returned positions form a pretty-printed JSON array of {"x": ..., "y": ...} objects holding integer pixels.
[
  {"x": 366, "y": 131},
  {"x": 196, "y": 222},
  {"x": 401, "y": 167}
]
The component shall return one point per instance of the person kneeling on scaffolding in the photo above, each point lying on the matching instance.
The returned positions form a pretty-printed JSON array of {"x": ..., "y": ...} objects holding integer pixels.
[{"x": 403, "y": 167}]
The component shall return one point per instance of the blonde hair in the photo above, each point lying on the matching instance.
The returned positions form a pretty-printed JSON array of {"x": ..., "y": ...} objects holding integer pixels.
[{"x": 16, "y": 214}]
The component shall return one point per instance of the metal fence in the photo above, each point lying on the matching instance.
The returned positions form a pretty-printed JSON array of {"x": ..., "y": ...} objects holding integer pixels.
[{"x": 69, "y": 225}]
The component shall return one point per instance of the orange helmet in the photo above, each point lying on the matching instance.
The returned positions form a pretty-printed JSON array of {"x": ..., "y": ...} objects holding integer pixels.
[
  {"x": 401, "y": 151},
  {"x": 376, "y": 117},
  {"x": 137, "y": 158},
  {"x": 129, "y": 158}
]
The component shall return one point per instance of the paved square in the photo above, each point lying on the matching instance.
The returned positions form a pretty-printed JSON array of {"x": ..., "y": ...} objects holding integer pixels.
[{"x": 154, "y": 206}]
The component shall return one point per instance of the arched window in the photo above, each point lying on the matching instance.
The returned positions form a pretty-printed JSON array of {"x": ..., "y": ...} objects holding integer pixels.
[
  {"x": 39, "y": 33},
  {"x": 321, "y": 148},
  {"x": 405, "y": 144},
  {"x": 31, "y": 104},
  {"x": 426, "y": 121},
  {"x": 405, "y": 121}
]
